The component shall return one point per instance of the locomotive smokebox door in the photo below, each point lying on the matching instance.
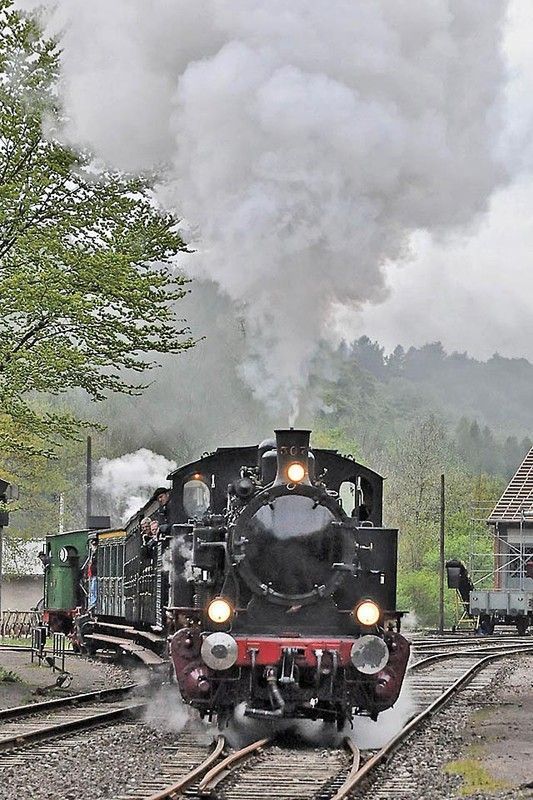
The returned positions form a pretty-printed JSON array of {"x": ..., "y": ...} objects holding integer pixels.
[{"x": 286, "y": 541}]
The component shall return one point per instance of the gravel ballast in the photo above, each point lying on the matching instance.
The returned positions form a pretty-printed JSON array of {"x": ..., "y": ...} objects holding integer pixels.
[
  {"x": 492, "y": 728},
  {"x": 36, "y": 683},
  {"x": 462, "y": 732}
]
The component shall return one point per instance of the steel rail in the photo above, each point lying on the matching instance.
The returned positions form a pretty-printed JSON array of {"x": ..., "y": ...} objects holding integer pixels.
[
  {"x": 356, "y": 763},
  {"x": 227, "y": 765},
  {"x": 437, "y": 643},
  {"x": 60, "y": 702},
  {"x": 433, "y": 659},
  {"x": 178, "y": 788},
  {"x": 415, "y": 723},
  {"x": 46, "y": 732}
]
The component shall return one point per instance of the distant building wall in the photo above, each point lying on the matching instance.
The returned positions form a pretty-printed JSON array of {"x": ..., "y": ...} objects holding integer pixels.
[{"x": 21, "y": 594}]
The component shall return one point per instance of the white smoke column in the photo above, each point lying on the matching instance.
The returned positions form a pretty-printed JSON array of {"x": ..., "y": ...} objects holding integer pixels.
[
  {"x": 126, "y": 482},
  {"x": 177, "y": 559},
  {"x": 303, "y": 141}
]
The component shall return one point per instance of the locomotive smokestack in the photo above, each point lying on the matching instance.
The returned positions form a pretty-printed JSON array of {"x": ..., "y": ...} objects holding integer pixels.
[{"x": 293, "y": 456}]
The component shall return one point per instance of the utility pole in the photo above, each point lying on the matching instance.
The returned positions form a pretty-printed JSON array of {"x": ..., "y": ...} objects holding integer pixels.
[
  {"x": 441, "y": 554},
  {"x": 89, "y": 482},
  {"x": 4, "y": 522},
  {"x": 61, "y": 524}
]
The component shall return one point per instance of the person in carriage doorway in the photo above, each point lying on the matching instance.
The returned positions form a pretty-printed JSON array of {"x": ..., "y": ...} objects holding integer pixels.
[
  {"x": 149, "y": 530},
  {"x": 161, "y": 515},
  {"x": 146, "y": 530},
  {"x": 92, "y": 572},
  {"x": 161, "y": 528}
]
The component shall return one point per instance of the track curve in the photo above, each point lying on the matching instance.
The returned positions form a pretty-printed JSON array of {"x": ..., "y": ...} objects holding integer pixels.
[{"x": 267, "y": 769}]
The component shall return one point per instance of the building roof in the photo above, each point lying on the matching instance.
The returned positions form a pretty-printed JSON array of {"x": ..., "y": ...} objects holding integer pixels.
[{"x": 517, "y": 499}]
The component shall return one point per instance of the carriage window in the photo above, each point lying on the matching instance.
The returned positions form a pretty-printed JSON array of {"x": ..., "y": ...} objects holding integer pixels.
[
  {"x": 347, "y": 496},
  {"x": 113, "y": 570},
  {"x": 196, "y": 498}
]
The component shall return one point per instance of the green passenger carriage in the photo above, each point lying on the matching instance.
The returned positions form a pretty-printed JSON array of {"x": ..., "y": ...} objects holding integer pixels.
[{"x": 65, "y": 584}]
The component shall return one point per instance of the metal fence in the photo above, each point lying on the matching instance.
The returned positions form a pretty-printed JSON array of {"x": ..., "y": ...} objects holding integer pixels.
[{"x": 19, "y": 623}]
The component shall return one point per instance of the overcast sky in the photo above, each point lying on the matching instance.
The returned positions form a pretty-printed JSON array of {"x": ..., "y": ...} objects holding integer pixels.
[
  {"x": 474, "y": 293},
  {"x": 306, "y": 141}
]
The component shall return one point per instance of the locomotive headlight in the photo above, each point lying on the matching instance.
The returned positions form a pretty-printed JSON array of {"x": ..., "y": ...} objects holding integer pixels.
[
  {"x": 219, "y": 610},
  {"x": 295, "y": 472},
  {"x": 367, "y": 613}
]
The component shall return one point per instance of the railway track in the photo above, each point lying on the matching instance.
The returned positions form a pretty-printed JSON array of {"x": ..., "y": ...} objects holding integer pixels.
[
  {"x": 434, "y": 684},
  {"x": 39, "y": 722},
  {"x": 425, "y": 645},
  {"x": 270, "y": 769}
]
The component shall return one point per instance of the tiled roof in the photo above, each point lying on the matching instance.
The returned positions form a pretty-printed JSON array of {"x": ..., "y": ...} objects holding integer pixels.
[{"x": 518, "y": 497}]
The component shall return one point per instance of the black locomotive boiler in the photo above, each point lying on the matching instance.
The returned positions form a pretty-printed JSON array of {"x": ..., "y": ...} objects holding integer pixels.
[{"x": 293, "y": 608}]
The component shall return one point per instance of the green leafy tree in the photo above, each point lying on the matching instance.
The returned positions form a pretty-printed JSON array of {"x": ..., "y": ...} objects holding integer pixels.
[
  {"x": 416, "y": 460},
  {"x": 87, "y": 288},
  {"x": 413, "y": 503},
  {"x": 46, "y": 486}
]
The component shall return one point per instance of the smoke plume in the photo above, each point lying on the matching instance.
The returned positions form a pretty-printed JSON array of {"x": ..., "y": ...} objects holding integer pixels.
[
  {"x": 302, "y": 142},
  {"x": 125, "y": 483}
]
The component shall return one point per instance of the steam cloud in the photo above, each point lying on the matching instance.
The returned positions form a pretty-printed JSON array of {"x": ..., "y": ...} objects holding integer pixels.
[
  {"x": 126, "y": 482},
  {"x": 303, "y": 142}
]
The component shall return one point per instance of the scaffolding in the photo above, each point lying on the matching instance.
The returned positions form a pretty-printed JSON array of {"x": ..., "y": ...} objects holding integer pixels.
[
  {"x": 501, "y": 570},
  {"x": 497, "y": 582},
  {"x": 482, "y": 548},
  {"x": 501, "y": 559}
]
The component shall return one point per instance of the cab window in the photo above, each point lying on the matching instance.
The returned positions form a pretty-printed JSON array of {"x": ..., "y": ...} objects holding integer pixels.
[
  {"x": 196, "y": 498},
  {"x": 348, "y": 497}
]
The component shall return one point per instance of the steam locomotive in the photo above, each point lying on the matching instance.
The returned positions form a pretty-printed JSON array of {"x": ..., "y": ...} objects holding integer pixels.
[{"x": 272, "y": 580}]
